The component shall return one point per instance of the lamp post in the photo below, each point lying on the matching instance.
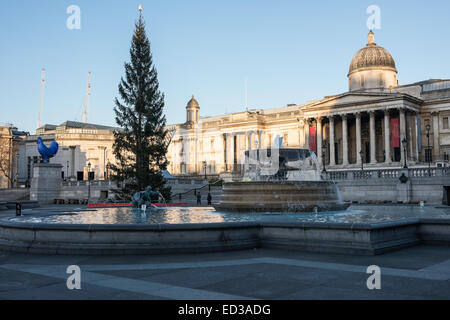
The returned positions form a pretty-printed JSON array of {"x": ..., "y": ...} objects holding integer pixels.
[
  {"x": 89, "y": 181},
  {"x": 67, "y": 171},
  {"x": 404, "y": 142},
  {"x": 428, "y": 153},
  {"x": 361, "y": 154}
]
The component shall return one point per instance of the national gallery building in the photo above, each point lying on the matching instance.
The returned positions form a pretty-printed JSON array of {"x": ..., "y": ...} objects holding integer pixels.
[{"x": 377, "y": 124}]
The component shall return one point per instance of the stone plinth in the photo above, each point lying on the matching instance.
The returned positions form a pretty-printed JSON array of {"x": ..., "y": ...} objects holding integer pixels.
[{"x": 46, "y": 182}]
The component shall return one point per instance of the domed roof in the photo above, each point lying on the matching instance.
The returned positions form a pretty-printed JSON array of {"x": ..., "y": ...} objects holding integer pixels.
[
  {"x": 193, "y": 104},
  {"x": 372, "y": 56}
]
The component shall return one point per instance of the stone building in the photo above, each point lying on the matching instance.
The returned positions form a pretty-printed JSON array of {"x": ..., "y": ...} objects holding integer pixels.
[
  {"x": 10, "y": 149},
  {"x": 80, "y": 144},
  {"x": 376, "y": 124}
]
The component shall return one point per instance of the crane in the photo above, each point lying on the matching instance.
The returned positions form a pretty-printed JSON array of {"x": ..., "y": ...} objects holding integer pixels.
[
  {"x": 41, "y": 106},
  {"x": 86, "y": 100}
]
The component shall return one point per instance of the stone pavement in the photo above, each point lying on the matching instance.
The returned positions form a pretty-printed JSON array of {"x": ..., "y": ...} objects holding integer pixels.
[{"x": 421, "y": 272}]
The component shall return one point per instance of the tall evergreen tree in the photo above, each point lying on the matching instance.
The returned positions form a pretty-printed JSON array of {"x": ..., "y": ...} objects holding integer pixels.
[{"x": 140, "y": 146}]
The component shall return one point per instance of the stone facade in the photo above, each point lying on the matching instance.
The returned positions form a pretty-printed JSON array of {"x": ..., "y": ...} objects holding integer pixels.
[
  {"x": 10, "y": 149},
  {"x": 376, "y": 124},
  {"x": 79, "y": 145}
]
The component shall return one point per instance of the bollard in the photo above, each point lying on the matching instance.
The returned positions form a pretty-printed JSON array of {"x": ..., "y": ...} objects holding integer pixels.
[{"x": 18, "y": 209}]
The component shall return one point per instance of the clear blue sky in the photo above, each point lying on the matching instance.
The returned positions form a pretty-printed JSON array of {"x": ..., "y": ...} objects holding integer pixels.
[{"x": 290, "y": 52}]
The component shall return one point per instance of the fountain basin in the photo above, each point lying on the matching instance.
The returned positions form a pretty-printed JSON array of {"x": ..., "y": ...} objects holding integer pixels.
[
  {"x": 361, "y": 239},
  {"x": 375, "y": 230},
  {"x": 281, "y": 196}
]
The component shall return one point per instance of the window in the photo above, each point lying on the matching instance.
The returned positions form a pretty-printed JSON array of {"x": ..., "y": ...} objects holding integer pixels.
[{"x": 445, "y": 123}]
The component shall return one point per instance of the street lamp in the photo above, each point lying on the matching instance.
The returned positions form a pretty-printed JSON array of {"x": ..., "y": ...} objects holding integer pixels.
[
  {"x": 67, "y": 172},
  {"x": 361, "y": 153},
  {"x": 428, "y": 156},
  {"x": 89, "y": 181},
  {"x": 404, "y": 142}
]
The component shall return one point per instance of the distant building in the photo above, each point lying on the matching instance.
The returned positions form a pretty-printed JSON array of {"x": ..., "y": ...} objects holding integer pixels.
[
  {"x": 10, "y": 147},
  {"x": 377, "y": 122},
  {"x": 79, "y": 144}
]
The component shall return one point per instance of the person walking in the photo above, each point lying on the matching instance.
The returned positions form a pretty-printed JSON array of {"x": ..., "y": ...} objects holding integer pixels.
[
  {"x": 209, "y": 198},
  {"x": 199, "y": 198}
]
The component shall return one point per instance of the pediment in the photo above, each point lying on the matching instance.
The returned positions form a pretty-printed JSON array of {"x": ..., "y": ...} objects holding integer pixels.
[{"x": 354, "y": 98}]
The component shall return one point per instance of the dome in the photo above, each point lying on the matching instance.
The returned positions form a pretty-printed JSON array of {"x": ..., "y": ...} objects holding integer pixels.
[
  {"x": 372, "y": 57},
  {"x": 193, "y": 104}
]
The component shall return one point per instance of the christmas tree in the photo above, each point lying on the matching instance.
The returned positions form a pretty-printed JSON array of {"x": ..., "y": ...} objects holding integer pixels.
[{"x": 140, "y": 145}]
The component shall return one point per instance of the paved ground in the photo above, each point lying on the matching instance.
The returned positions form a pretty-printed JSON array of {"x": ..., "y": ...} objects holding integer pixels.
[{"x": 421, "y": 272}]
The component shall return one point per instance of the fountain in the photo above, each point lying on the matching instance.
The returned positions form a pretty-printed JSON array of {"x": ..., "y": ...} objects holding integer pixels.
[{"x": 280, "y": 180}]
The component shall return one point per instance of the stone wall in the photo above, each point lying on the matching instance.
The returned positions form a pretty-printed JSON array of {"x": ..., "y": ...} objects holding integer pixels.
[
  {"x": 14, "y": 194},
  {"x": 385, "y": 185}
]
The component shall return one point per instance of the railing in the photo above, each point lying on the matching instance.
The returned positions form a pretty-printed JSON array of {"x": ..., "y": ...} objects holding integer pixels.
[
  {"x": 386, "y": 174},
  {"x": 185, "y": 193},
  {"x": 85, "y": 183}
]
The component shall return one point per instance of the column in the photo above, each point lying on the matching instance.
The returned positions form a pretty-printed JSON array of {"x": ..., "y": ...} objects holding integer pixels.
[
  {"x": 358, "y": 137},
  {"x": 306, "y": 129},
  {"x": 319, "y": 138},
  {"x": 410, "y": 135},
  {"x": 402, "y": 134},
  {"x": 228, "y": 151},
  {"x": 196, "y": 156},
  {"x": 344, "y": 140},
  {"x": 387, "y": 137},
  {"x": 332, "y": 154},
  {"x": 72, "y": 160},
  {"x": 373, "y": 159},
  {"x": 416, "y": 133},
  {"x": 301, "y": 133},
  {"x": 435, "y": 136},
  {"x": 232, "y": 146}
]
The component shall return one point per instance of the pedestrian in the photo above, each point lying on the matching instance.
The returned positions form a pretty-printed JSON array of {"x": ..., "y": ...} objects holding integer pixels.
[
  {"x": 209, "y": 198},
  {"x": 199, "y": 198}
]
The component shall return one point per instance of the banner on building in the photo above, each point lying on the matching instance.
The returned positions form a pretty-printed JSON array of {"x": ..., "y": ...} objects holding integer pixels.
[
  {"x": 312, "y": 139},
  {"x": 395, "y": 133}
]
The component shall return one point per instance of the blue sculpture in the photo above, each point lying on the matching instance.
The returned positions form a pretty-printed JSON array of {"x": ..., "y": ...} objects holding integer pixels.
[
  {"x": 144, "y": 197},
  {"x": 47, "y": 152}
]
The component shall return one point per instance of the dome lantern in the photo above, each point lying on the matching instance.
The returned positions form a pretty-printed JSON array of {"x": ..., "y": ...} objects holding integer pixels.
[{"x": 372, "y": 67}]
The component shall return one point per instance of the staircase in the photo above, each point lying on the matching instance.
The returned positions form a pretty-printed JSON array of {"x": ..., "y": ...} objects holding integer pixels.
[{"x": 190, "y": 197}]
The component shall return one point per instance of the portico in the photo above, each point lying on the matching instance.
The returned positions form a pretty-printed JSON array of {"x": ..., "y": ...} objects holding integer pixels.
[{"x": 366, "y": 136}]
